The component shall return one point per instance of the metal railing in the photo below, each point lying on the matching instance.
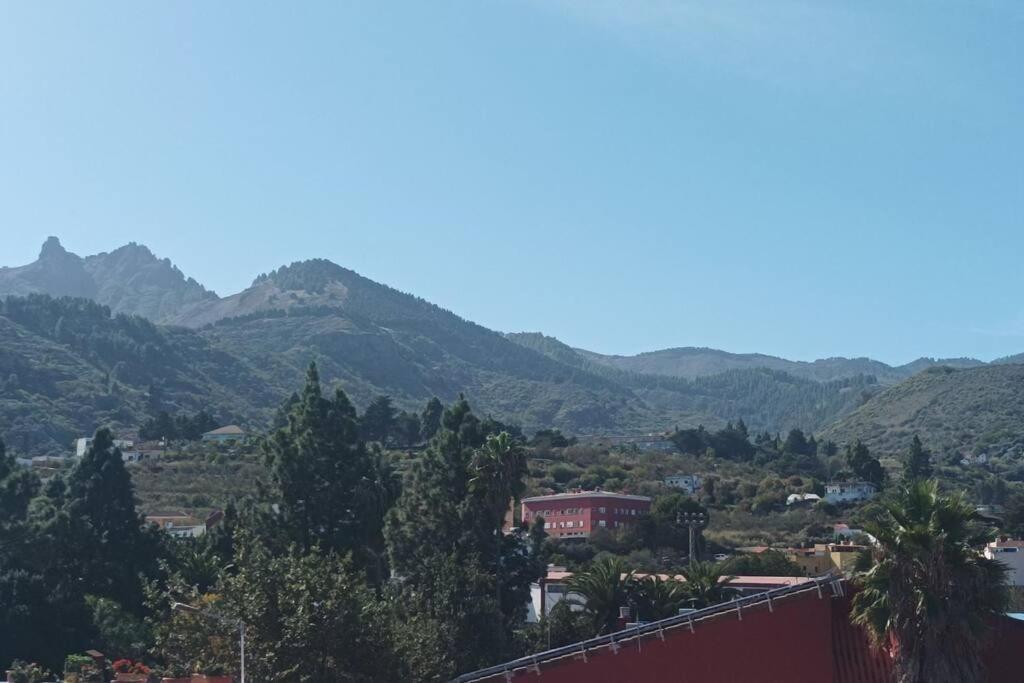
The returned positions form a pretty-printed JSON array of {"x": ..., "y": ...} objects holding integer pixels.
[{"x": 834, "y": 584}]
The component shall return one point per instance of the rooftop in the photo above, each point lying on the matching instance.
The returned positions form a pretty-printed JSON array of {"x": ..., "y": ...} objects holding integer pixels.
[
  {"x": 229, "y": 429},
  {"x": 586, "y": 494}
]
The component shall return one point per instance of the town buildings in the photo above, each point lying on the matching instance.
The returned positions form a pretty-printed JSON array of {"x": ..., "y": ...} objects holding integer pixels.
[
  {"x": 849, "y": 492},
  {"x": 578, "y": 514},
  {"x": 825, "y": 557},
  {"x": 689, "y": 483},
  {"x": 82, "y": 445},
  {"x": 1011, "y": 553}
]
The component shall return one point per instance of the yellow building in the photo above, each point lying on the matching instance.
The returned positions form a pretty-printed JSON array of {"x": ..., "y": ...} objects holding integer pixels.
[{"x": 824, "y": 557}]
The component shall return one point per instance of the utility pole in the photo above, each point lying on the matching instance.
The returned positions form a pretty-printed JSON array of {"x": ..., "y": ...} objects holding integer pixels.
[{"x": 692, "y": 521}]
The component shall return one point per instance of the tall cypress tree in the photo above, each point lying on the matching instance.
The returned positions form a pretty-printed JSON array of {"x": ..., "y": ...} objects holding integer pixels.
[
  {"x": 430, "y": 420},
  {"x": 322, "y": 473},
  {"x": 106, "y": 546},
  {"x": 917, "y": 463}
]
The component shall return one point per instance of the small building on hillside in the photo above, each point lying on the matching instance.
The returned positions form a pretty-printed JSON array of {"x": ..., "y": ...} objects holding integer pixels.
[
  {"x": 225, "y": 434},
  {"x": 849, "y": 491},
  {"x": 1011, "y": 553},
  {"x": 82, "y": 445},
  {"x": 181, "y": 525},
  {"x": 577, "y": 514},
  {"x": 825, "y": 557},
  {"x": 807, "y": 499},
  {"x": 689, "y": 483},
  {"x": 177, "y": 524}
]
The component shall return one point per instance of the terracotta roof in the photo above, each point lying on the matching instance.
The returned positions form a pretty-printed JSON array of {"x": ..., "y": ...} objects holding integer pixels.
[
  {"x": 229, "y": 429},
  {"x": 1009, "y": 543}
]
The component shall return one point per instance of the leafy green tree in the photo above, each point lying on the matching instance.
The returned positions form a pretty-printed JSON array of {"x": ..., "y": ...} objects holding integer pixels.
[
  {"x": 551, "y": 438},
  {"x": 321, "y": 473},
  {"x": 561, "y": 626},
  {"x": 797, "y": 443},
  {"x": 119, "y": 632},
  {"x": 863, "y": 465},
  {"x": 917, "y": 463},
  {"x": 657, "y": 598},
  {"x": 18, "y": 485},
  {"x": 770, "y": 563},
  {"x": 605, "y": 586},
  {"x": 707, "y": 584},
  {"x": 309, "y": 617},
  {"x": 430, "y": 420},
  {"x": 448, "y": 621},
  {"x": 927, "y": 588},
  {"x": 378, "y": 421},
  {"x": 661, "y": 529},
  {"x": 447, "y": 525},
  {"x": 407, "y": 429}
]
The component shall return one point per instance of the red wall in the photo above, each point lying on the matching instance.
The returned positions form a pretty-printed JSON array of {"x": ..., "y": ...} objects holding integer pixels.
[
  {"x": 589, "y": 514},
  {"x": 793, "y": 644}
]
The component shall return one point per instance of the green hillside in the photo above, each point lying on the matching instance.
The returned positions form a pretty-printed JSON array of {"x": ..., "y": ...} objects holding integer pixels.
[
  {"x": 68, "y": 366},
  {"x": 974, "y": 410}
]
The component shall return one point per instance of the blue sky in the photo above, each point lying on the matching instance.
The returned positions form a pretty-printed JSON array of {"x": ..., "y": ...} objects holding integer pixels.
[{"x": 806, "y": 179}]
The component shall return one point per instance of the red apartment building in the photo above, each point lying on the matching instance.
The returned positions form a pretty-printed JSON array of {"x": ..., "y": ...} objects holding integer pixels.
[{"x": 577, "y": 514}]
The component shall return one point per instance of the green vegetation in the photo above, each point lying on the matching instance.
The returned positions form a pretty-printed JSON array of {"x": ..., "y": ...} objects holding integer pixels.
[
  {"x": 957, "y": 412},
  {"x": 926, "y": 587}
]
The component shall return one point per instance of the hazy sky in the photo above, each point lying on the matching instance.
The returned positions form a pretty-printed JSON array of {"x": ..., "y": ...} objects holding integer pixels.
[{"x": 802, "y": 178}]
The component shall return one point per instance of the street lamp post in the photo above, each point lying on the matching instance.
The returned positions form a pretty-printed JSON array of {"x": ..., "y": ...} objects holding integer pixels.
[
  {"x": 238, "y": 623},
  {"x": 692, "y": 521}
]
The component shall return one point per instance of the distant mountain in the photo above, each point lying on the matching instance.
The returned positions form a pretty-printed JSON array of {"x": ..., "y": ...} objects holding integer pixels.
[
  {"x": 979, "y": 409},
  {"x": 68, "y": 366},
  {"x": 129, "y": 280},
  {"x": 702, "y": 362}
]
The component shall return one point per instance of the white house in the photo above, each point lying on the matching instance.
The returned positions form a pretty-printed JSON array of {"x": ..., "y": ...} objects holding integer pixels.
[
  {"x": 848, "y": 492},
  {"x": 82, "y": 445},
  {"x": 178, "y": 525},
  {"x": 1010, "y": 553},
  {"x": 690, "y": 483},
  {"x": 808, "y": 498}
]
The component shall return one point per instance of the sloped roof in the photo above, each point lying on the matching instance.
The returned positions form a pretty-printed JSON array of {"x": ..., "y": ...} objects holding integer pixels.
[{"x": 232, "y": 430}]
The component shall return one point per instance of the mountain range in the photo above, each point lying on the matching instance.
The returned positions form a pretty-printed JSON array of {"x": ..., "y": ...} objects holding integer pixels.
[{"x": 139, "y": 336}]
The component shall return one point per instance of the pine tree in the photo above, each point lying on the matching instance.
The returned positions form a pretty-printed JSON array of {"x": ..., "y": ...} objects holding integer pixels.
[
  {"x": 379, "y": 420},
  {"x": 321, "y": 471},
  {"x": 430, "y": 420},
  {"x": 106, "y": 546},
  {"x": 863, "y": 465},
  {"x": 917, "y": 463}
]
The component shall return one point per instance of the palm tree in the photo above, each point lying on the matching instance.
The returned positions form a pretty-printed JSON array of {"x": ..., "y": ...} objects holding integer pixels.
[
  {"x": 926, "y": 591},
  {"x": 706, "y": 585},
  {"x": 500, "y": 473},
  {"x": 605, "y": 587},
  {"x": 658, "y": 598}
]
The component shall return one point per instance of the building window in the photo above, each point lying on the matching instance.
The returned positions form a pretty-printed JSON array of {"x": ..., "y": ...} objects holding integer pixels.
[
  {"x": 602, "y": 509},
  {"x": 603, "y": 524}
]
